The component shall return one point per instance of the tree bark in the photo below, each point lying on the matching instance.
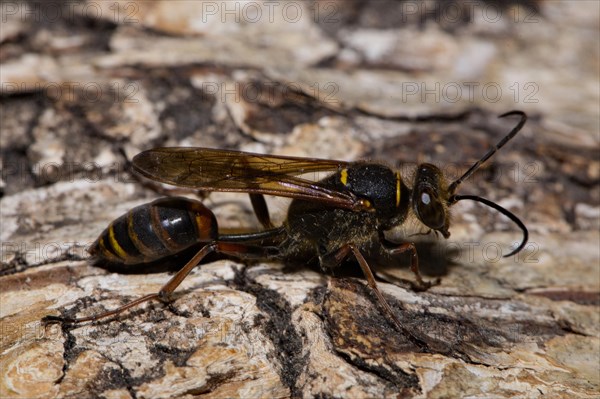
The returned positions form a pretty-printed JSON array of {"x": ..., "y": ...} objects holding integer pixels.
[{"x": 347, "y": 81}]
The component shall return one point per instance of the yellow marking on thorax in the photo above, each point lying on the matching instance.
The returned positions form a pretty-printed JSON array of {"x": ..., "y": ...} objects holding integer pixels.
[
  {"x": 115, "y": 244},
  {"x": 398, "y": 181},
  {"x": 344, "y": 177}
]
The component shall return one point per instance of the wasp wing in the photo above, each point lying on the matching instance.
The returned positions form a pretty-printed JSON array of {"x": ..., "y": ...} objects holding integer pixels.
[{"x": 222, "y": 170}]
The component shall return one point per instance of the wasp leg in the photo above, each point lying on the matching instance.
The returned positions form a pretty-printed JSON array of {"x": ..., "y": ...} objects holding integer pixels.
[
  {"x": 336, "y": 257},
  {"x": 259, "y": 205},
  {"x": 261, "y": 210},
  {"x": 414, "y": 263},
  {"x": 235, "y": 249},
  {"x": 164, "y": 295}
]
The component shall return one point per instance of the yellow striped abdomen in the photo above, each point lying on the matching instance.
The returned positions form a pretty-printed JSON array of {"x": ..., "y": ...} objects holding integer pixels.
[{"x": 155, "y": 230}]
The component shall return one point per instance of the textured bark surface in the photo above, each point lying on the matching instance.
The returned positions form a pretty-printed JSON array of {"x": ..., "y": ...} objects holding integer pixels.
[{"x": 398, "y": 82}]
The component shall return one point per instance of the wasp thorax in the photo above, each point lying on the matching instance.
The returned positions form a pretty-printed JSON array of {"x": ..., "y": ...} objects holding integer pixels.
[{"x": 430, "y": 198}]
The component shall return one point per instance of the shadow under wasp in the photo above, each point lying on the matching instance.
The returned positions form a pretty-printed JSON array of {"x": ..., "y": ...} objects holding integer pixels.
[{"x": 340, "y": 216}]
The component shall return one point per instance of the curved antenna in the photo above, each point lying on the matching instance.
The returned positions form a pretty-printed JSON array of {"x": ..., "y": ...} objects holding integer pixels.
[
  {"x": 505, "y": 212},
  {"x": 452, "y": 187}
]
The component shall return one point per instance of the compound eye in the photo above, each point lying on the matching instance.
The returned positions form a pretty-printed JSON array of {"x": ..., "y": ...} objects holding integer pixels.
[
  {"x": 430, "y": 210},
  {"x": 425, "y": 198}
]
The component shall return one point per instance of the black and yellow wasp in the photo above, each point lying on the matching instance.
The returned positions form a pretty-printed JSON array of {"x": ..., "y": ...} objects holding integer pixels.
[{"x": 345, "y": 214}]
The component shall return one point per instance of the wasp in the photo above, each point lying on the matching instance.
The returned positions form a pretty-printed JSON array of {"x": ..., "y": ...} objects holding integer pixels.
[{"x": 343, "y": 215}]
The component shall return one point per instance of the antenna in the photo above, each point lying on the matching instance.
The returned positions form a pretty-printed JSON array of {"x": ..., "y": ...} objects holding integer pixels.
[
  {"x": 452, "y": 187},
  {"x": 455, "y": 198}
]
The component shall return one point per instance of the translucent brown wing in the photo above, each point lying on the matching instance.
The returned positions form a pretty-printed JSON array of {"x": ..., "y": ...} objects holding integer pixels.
[{"x": 222, "y": 170}]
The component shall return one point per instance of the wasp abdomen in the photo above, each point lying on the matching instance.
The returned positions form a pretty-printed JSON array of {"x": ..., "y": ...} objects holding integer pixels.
[{"x": 155, "y": 230}]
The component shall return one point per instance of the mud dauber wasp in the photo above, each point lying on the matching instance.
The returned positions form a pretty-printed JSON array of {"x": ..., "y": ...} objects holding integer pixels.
[{"x": 343, "y": 214}]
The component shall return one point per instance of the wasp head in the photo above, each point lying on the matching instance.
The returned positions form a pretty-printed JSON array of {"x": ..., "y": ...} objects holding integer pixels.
[{"x": 430, "y": 198}]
